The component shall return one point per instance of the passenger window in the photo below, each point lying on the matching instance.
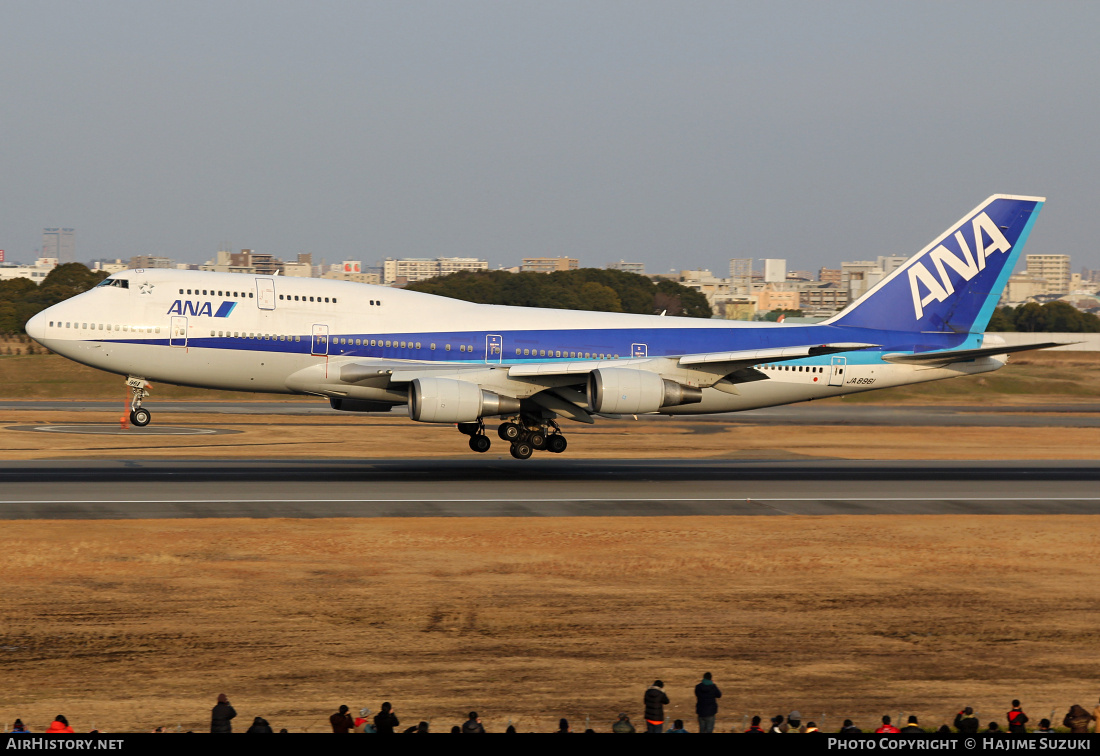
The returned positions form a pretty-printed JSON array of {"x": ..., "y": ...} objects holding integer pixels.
[
  {"x": 448, "y": 347},
  {"x": 418, "y": 345},
  {"x": 433, "y": 346}
]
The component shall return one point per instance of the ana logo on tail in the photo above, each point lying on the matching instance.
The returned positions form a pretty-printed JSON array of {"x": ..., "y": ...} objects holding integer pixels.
[{"x": 968, "y": 265}]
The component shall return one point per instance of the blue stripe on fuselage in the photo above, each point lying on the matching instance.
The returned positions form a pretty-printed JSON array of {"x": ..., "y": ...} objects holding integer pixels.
[{"x": 660, "y": 342}]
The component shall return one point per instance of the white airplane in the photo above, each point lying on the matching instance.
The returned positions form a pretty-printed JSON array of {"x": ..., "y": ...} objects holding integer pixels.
[{"x": 371, "y": 348}]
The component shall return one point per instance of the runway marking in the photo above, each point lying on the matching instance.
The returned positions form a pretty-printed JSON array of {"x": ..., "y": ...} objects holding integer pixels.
[{"x": 551, "y": 501}]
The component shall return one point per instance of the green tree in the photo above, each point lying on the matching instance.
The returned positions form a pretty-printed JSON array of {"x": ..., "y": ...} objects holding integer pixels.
[{"x": 584, "y": 289}]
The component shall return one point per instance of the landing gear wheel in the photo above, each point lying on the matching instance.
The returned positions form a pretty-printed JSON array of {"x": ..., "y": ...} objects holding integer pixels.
[
  {"x": 537, "y": 439},
  {"x": 508, "y": 432},
  {"x": 522, "y": 450},
  {"x": 140, "y": 417},
  {"x": 556, "y": 443},
  {"x": 480, "y": 443}
]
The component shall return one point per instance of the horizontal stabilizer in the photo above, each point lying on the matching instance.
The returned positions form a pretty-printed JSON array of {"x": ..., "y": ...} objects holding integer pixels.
[{"x": 962, "y": 355}]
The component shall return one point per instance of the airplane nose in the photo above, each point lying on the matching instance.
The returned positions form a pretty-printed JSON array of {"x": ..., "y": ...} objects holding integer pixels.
[{"x": 36, "y": 327}]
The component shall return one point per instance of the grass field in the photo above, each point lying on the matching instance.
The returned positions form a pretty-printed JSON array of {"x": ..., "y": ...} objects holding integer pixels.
[
  {"x": 130, "y": 625},
  {"x": 1030, "y": 377}
]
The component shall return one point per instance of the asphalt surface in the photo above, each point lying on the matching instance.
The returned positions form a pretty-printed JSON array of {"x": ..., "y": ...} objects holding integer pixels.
[{"x": 539, "y": 488}]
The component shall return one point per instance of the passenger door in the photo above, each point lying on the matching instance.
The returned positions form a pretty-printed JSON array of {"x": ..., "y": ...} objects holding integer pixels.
[
  {"x": 177, "y": 332},
  {"x": 494, "y": 348},
  {"x": 319, "y": 343},
  {"x": 265, "y": 293},
  {"x": 836, "y": 371}
]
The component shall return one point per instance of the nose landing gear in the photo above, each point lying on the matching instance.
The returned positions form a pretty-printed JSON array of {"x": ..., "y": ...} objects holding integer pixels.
[{"x": 139, "y": 389}]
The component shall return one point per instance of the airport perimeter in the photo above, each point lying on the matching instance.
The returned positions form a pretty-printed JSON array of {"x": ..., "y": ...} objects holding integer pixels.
[{"x": 892, "y": 559}]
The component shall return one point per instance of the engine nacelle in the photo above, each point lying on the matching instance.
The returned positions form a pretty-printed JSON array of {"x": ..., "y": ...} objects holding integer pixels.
[
  {"x": 445, "y": 400},
  {"x": 622, "y": 391}
]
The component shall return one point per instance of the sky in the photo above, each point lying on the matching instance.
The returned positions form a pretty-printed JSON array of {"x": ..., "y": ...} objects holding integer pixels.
[{"x": 678, "y": 134}]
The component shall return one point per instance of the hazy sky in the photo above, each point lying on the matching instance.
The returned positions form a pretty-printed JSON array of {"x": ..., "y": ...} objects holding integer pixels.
[{"x": 678, "y": 134}]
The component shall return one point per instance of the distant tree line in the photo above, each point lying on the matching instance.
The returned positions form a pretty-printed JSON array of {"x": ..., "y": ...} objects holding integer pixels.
[
  {"x": 583, "y": 289},
  {"x": 1053, "y": 317},
  {"x": 21, "y": 298}
]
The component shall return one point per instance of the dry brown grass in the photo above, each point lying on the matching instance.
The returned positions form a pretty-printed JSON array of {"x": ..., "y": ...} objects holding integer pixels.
[
  {"x": 359, "y": 437},
  {"x": 135, "y": 624}
]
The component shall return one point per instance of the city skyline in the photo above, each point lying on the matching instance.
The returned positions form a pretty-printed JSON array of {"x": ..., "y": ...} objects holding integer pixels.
[{"x": 647, "y": 132}]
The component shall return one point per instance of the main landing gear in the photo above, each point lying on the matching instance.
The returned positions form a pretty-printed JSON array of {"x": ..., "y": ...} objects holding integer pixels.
[
  {"x": 524, "y": 438},
  {"x": 139, "y": 389}
]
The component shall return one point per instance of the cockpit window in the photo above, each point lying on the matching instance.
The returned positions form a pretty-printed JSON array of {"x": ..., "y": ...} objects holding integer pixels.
[{"x": 121, "y": 283}]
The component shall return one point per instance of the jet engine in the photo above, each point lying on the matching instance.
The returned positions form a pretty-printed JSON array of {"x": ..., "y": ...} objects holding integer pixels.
[
  {"x": 445, "y": 400},
  {"x": 623, "y": 391}
]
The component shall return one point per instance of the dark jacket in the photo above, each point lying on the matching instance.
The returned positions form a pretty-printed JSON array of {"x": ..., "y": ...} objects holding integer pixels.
[
  {"x": 1077, "y": 719},
  {"x": 706, "y": 699},
  {"x": 220, "y": 718},
  {"x": 655, "y": 700},
  {"x": 1016, "y": 721},
  {"x": 341, "y": 722},
  {"x": 472, "y": 726},
  {"x": 385, "y": 722},
  {"x": 259, "y": 724},
  {"x": 966, "y": 724}
]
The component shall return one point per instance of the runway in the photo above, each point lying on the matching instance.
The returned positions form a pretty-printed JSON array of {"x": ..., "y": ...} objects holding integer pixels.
[
  {"x": 539, "y": 488},
  {"x": 1083, "y": 415}
]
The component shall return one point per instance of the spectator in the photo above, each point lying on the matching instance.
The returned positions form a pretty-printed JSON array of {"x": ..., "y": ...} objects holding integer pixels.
[
  {"x": 887, "y": 728},
  {"x": 849, "y": 729},
  {"x": 706, "y": 702},
  {"x": 259, "y": 724},
  {"x": 1077, "y": 719},
  {"x": 221, "y": 716},
  {"x": 341, "y": 721},
  {"x": 993, "y": 729},
  {"x": 422, "y": 728},
  {"x": 1044, "y": 727},
  {"x": 563, "y": 727},
  {"x": 777, "y": 725},
  {"x": 812, "y": 727},
  {"x": 362, "y": 722},
  {"x": 385, "y": 721},
  {"x": 622, "y": 724},
  {"x": 755, "y": 727},
  {"x": 18, "y": 727},
  {"x": 473, "y": 724},
  {"x": 655, "y": 701},
  {"x": 510, "y": 730},
  {"x": 794, "y": 722},
  {"x": 944, "y": 730},
  {"x": 965, "y": 722},
  {"x": 912, "y": 727},
  {"x": 678, "y": 726},
  {"x": 1017, "y": 719},
  {"x": 58, "y": 725}
]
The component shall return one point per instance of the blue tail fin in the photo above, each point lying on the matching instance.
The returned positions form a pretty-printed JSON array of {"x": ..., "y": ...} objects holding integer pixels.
[{"x": 953, "y": 284}]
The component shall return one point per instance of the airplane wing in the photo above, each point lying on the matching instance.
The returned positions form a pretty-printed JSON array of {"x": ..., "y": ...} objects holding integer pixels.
[
  {"x": 946, "y": 357},
  {"x": 716, "y": 359}
]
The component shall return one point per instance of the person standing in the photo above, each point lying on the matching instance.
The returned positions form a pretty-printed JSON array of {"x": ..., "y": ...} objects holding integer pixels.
[
  {"x": 706, "y": 702},
  {"x": 385, "y": 721},
  {"x": 342, "y": 721},
  {"x": 655, "y": 701},
  {"x": 222, "y": 715},
  {"x": 1017, "y": 719},
  {"x": 473, "y": 725}
]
